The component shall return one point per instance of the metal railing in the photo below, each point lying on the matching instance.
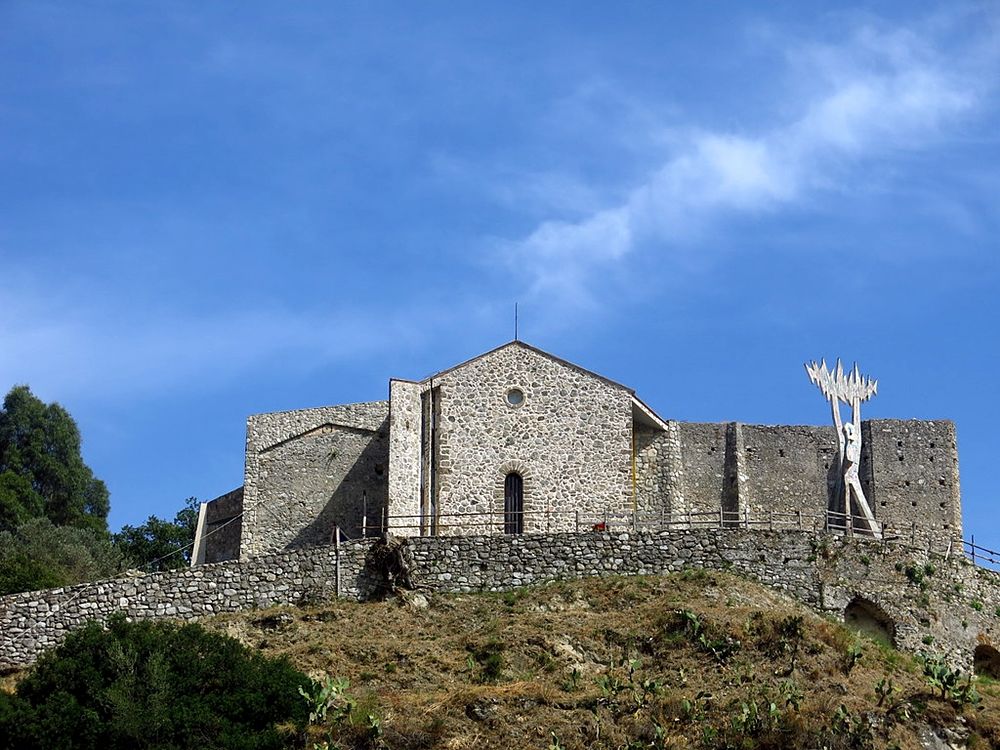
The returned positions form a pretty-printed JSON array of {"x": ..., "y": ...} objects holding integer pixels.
[
  {"x": 555, "y": 521},
  {"x": 981, "y": 556},
  {"x": 545, "y": 521},
  {"x": 535, "y": 522}
]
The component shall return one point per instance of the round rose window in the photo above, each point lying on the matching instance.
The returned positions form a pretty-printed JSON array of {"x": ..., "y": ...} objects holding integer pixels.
[{"x": 515, "y": 397}]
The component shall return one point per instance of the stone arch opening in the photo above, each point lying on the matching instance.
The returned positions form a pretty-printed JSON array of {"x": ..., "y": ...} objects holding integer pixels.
[
  {"x": 513, "y": 504},
  {"x": 869, "y": 619},
  {"x": 986, "y": 661}
]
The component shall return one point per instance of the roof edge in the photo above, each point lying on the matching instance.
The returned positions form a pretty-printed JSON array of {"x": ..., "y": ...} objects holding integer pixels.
[{"x": 536, "y": 350}]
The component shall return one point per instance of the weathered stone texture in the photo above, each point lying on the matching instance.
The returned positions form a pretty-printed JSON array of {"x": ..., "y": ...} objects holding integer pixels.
[
  {"x": 659, "y": 473},
  {"x": 223, "y": 527},
  {"x": 404, "y": 456},
  {"x": 909, "y": 471},
  {"x": 914, "y": 482},
  {"x": 703, "y": 452},
  {"x": 927, "y": 597},
  {"x": 787, "y": 469},
  {"x": 570, "y": 438},
  {"x": 310, "y": 470}
]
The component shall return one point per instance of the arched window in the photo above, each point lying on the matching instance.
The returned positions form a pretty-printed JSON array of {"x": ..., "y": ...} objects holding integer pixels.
[{"x": 513, "y": 504}]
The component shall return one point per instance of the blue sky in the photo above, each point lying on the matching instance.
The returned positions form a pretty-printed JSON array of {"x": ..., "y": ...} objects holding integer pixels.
[{"x": 213, "y": 210}]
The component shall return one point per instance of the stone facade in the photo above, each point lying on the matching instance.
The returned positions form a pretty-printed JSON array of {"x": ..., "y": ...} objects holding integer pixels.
[
  {"x": 930, "y": 602},
  {"x": 434, "y": 459},
  {"x": 311, "y": 470},
  {"x": 569, "y": 437}
]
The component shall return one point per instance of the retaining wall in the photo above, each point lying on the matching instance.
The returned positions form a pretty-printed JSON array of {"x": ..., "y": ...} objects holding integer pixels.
[{"x": 951, "y": 602}]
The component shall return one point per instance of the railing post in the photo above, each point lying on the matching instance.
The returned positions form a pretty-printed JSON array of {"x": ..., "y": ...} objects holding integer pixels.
[
  {"x": 336, "y": 562},
  {"x": 798, "y": 515},
  {"x": 721, "y": 518},
  {"x": 577, "y": 520},
  {"x": 972, "y": 546},
  {"x": 746, "y": 516}
]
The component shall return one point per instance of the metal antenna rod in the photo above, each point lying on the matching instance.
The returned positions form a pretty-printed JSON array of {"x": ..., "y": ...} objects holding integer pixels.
[{"x": 515, "y": 322}]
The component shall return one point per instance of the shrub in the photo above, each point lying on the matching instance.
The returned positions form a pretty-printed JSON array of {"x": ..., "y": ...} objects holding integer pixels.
[
  {"x": 39, "y": 555},
  {"x": 155, "y": 684},
  {"x": 941, "y": 677},
  {"x": 486, "y": 661}
]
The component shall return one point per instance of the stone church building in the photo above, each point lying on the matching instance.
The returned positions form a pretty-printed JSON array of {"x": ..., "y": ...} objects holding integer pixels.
[{"x": 517, "y": 440}]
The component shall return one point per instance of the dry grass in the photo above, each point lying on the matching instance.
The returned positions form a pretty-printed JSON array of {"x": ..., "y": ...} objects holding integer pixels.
[
  {"x": 568, "y": 660},
  {"x": 642, "y": 662}
]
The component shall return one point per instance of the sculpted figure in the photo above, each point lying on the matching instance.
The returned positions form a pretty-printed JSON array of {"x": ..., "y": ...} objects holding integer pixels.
[{"x": 851, "y": 389}]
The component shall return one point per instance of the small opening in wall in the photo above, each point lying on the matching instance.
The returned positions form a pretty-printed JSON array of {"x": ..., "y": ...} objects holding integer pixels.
[
  {"x": 515, "y": 397},
  {"x": 931, "y": 459},
  {"x": 781, "y": 452},
  {"x": 906, "y": 482},
  {"x": 914, "y": 503},
  {"x": 899, "y": 443},
  {"x": 866, "y": 617},
  {"x": 379, "y": 469},
  {"x": 941, "y": 481},
  {"x": 883, "y": 503},
  {"x": 942, "y": 505},
  {"x": 987, "y": 661},
  {"x": 931, "y": 445}
]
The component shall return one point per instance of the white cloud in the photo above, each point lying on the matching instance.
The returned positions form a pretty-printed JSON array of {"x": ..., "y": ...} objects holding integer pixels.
[{"x": 875, "y": 94}]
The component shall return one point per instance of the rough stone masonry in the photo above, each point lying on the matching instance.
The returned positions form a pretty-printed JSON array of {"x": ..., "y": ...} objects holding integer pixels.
[
  {"x": 919, "y": 596},
  {"x": 518, "y": 430}
]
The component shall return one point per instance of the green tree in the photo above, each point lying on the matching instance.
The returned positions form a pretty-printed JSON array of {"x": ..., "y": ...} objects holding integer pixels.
[
  {"x": 155, "y": 684},
  {"x": 151, "y": 545},
  {"x": 41, "y": 470},
  {"x": 39, "y": 555}
]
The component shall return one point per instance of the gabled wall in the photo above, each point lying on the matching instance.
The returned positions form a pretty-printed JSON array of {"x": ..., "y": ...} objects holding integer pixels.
[
  {"x": 571, "y": 440},
  {"x": 311, "y": 470}
]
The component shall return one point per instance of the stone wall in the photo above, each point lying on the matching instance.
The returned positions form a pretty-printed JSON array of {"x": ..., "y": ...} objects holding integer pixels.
[
  {"x": 659, "y": 474},
  {"x": 310, "y": 470},
  {"x": 946, "y": 603},
  {"x": 223, "y": 527},
  {"x": 788, "y": 469},
  {"x": 909, "y": 470},
  {"x": 405, "y": 473},
  {"x": 570, "y": 438},
  {"x": 914, "y": 478},
  {"x": 703, "y": 455}
]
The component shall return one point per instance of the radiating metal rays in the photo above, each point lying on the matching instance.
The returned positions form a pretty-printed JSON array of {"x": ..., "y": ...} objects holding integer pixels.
[{"x": 849, "y": 387}]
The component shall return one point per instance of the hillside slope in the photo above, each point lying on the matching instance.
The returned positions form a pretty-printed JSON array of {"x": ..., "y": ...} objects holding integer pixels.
[{"x": 690, "y": 660}]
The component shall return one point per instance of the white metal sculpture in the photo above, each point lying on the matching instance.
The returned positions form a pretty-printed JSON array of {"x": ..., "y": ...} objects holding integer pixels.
[{"x": 852, "y": 388}]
